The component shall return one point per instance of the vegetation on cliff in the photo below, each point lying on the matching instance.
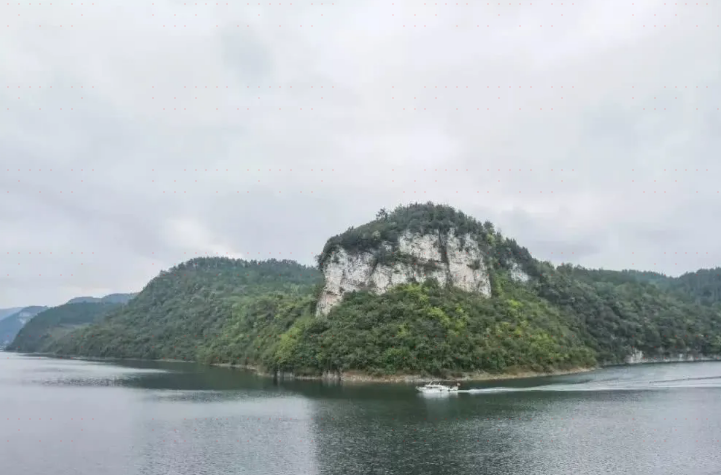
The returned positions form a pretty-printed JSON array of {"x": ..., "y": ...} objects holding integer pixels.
[
  {"x": 426, "y": 329},
  {"x": 422, "y": 219}
]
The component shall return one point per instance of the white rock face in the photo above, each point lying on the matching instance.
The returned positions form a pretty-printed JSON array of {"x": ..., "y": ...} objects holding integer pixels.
[
  {"x": 517, "y": 273},
  {"x": 637, "y": 357},
  {"x": 425, "y": 247},
  {"x": 348, "y": 272}
]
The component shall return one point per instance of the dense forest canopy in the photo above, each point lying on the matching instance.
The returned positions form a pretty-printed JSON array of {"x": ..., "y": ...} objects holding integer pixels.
[
  {"x": 702, "y": 287},
  {"x": 426, "y": 329},
  {"x": 261, "y": 313},
  {"x": 626, "y": 310},
  {"x": 187, "y": 307}
]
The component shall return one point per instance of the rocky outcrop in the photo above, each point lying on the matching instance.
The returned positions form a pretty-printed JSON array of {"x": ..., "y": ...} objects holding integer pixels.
[
  {"x": 451, "y": 260},
  {"x": 517, "y": 273},
  {"x": 637, "y": 357}
]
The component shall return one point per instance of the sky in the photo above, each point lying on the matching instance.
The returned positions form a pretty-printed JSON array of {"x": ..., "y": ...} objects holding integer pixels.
[{"x": 137, "y": 135}]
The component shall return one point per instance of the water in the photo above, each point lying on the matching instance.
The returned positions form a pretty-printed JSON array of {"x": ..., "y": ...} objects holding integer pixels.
[{"x": 87, "y": 418}]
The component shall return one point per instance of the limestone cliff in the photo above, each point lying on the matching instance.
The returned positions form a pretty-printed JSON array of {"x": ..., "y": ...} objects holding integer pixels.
[{"x": 450, "y": 259}]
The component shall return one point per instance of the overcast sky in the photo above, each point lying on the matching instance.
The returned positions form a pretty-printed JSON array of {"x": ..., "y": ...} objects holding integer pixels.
[{"x": 135, "y": 137}]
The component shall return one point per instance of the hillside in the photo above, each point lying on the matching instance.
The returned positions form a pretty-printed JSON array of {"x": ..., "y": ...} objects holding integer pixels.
[
  {"x": 414, "y": 329},
  {"x": 622, "y": 315},
  {"x": 53, "y": 323},
  {"x": 423, "y": 290},
  {"x": 10, "y": 326},
  {"x": 185, "y": 308}
]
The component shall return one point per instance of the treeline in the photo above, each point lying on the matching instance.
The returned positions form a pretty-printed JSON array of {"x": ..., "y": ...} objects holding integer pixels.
[
  {"x": 185, "y": 309},
  {"x": 619, "y": 312}
]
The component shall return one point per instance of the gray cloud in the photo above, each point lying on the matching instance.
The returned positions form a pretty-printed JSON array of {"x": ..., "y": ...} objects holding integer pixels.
[{"x": 233, "y": 130}]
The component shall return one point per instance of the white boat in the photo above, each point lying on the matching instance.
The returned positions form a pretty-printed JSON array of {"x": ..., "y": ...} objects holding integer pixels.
[{"x": 435, "y": 388}]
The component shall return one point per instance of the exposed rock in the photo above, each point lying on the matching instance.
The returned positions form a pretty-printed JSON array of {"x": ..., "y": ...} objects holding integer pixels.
[
  {"x": 447, "y": 258},
  {"x": 517, "y": 273},
  {"x": 637, "y": 357}
]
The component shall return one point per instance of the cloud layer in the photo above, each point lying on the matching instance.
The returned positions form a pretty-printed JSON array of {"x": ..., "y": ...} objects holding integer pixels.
[{"x": 136, "y": 137}]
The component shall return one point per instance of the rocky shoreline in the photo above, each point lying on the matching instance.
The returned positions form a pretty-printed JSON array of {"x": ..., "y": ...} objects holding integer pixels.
[
  {"x": 637, "y": 357},
  {"x": 351, "y": 377},
  {"x": 360, "y": 377},
  {"x": 345, "y": 377}
]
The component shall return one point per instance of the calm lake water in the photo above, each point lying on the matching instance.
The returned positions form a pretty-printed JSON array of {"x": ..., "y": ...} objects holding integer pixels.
[{"x": 87, "y": 418}]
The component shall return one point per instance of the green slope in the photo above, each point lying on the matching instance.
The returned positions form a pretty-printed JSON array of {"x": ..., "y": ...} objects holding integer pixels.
[
  {"x": 411, "y": 329},
  {"x": 51, "y": 324},
  {"x": 620, "y": 311},
  {"x": 183, "y": 309}
]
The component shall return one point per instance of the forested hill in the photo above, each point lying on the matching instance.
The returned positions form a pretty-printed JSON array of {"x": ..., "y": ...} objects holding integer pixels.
[
  {"x": 185, "y": 308},
  {"x": 51, "y": 324},
  {"x": 701, "y": 287},
  {"x": 261, "y": 313},
  {"x": 625, "y": 311}
]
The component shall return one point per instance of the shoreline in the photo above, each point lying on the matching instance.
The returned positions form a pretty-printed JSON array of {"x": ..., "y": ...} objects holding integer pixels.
[
  {"x": 359, "y": 377},
  {"x": 347, "y": 377}
]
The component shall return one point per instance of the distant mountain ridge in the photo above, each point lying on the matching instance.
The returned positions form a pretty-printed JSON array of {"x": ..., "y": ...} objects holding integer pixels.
[
  {"x": 58, "y": 321},
  {"x": 54, "y": 321},
  {"x": 112, "y": 298},
  {"x": 6, "y": 312},
  {"x": 10, "y": 326}
]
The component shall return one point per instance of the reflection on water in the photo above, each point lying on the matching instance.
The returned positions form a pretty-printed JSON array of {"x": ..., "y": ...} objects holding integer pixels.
[{"x": 79, "y": 417}]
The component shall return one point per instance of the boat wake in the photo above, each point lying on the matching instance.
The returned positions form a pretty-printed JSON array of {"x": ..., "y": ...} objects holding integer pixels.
[
  {"x": 688, "y": 379},
  {"x": 620, "y": 385},
  {"x": 649, "y": 378}
]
